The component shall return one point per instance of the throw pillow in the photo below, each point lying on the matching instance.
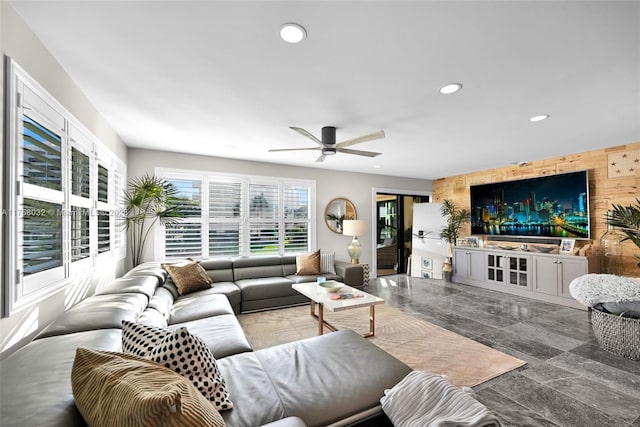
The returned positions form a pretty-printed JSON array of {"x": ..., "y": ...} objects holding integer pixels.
[
  {"x": 182, "y": 352},
  {"x": 328, "y": 263},
  {"x": 139, "y": 339},
  {"x": 308, "y": 264},
  {"x": 121, "y": 390},
  {"x": 188, "y": 275}
]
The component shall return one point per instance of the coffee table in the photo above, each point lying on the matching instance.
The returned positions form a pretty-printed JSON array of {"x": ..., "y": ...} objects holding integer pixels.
[{"x": 320, "y": 297}]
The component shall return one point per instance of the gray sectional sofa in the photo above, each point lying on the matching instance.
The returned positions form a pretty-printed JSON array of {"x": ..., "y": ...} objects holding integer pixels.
[{"x": 334, "y": 379}]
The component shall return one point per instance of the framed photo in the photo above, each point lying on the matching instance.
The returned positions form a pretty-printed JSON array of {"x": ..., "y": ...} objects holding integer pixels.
[
  {"x": 426, "y": 274},
  {"x": 427, "y": 263},
  {"x": 472, "y": 241},
  {"x": 566, "y": 246}
]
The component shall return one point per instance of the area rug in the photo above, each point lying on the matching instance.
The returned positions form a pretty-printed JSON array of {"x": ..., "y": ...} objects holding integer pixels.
[{"x": 420, "y": 344}]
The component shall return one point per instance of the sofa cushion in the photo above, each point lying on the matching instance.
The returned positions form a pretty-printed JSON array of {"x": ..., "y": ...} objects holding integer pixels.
[
  {"x": 265, "y": 288},
  {"x": 199, "y": 305},
  {"x": 188, "y": 276},
  {"x": 223, "y": 334},
  {"x": 286, "y": 379},
  {"x": 220, "y": 270},
  {"x": 120, "y": 390},
  {"x": 257, "y": 267},
  {"x": 308, "y": 263},
  {"x": 97, "y": 312},
  {"x": 133, "y": 284}
]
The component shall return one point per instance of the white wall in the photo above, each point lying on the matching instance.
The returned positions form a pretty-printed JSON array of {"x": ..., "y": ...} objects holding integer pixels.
[
  {"x": 329, "y": 185},
  {"x": 19, "y": 42}
]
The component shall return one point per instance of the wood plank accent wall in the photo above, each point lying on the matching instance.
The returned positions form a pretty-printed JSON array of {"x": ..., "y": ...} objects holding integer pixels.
[{"x": 603, "y": 190}]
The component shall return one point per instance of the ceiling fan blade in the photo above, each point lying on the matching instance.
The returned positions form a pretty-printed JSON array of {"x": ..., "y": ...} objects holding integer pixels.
[
  {"x": 360, "y": 139},
  {"x": 321, "y": 159},
  {"x": 307, "y": 134},
  {"x": 273, "y": 150},
  {"x": 358, "y": 152}
]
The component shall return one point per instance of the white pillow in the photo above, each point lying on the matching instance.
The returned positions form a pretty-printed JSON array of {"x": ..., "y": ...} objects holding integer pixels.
[{"x": 327, "y": 263}]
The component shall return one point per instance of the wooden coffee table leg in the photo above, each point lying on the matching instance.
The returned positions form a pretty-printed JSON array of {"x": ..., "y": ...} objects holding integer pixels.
[
  {"x": 320, "y": 319},
  {"x": 372, "y": 322}
]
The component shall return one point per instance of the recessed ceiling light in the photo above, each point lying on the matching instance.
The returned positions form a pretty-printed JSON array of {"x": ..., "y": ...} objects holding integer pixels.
[
  {"x": 292, "y": 33},
  {"x": 450, "y": 88},
  {"x": 377, "y": 166},
  {"x": 539, "y": 118}
]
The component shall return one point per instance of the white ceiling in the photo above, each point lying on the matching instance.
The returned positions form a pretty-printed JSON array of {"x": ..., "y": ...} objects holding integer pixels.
[{"x": 214, "y": 78}]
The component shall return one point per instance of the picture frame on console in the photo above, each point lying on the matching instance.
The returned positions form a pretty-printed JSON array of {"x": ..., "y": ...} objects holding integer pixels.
[
  {"x": 427, "y": 263},
  {"x": 567, "y": 245},
  {"x": 472, "y": 241}
]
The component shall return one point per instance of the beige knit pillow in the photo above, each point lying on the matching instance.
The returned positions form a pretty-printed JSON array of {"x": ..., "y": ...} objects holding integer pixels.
[
  {"x": 308, "y": 264},
  {"x": 122, "y": 390},
  {"x": 188, "y": 275}
]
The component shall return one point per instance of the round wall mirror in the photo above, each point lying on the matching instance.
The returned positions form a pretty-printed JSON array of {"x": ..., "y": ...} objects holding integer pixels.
[{"x": 338, "y": 210}]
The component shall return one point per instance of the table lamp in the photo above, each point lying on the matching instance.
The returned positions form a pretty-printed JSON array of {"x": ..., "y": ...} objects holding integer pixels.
[{"x": 354, "y": 228}]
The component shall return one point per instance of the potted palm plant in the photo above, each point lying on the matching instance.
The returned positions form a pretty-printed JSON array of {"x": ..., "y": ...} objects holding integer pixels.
[
  {"x": 627, "y": 220},
  {"x": 148, "y": 200},
  {"x": 456, "y": 218}
]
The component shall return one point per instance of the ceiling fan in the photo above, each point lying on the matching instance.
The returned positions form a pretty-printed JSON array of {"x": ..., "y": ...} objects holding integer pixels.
[{"x": 328, "y": 147}]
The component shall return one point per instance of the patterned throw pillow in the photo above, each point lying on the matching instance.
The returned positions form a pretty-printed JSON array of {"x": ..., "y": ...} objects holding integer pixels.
[
  {"x": 189, "y": 356},
  {"x": 141, "y": 339},
  {"x": 308, "y": 264},
  {"x": 123, "y": 390},
  {"x": 188, "y": 275},
  {"x": 182, "y": 352},
  {"x": 328, "y": 263}
]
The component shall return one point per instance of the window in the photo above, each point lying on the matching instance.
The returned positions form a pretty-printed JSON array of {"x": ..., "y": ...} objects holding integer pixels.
[
  {"x": 238, "y": 216},
  {"x": 60, "y": 211},
  {"x": 225, "y": 225}
]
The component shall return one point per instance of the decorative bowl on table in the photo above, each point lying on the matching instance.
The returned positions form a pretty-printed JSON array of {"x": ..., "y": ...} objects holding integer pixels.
[
  {"x": 331, "y": 286},
  {"x": 508, "y": 248}
]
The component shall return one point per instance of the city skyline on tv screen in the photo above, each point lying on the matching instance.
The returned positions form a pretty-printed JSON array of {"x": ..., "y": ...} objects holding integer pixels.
[{"x": 546, "y": 206}]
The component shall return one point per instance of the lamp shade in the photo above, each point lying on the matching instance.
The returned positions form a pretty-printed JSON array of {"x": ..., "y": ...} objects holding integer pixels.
[{"x": 354, "y": 227}]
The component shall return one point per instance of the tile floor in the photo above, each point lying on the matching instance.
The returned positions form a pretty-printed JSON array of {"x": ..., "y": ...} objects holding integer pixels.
[{"x": 568, "y": 380}]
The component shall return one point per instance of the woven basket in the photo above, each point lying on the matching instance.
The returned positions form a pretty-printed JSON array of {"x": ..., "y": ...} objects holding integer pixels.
[{"x": 618, "y": 335}]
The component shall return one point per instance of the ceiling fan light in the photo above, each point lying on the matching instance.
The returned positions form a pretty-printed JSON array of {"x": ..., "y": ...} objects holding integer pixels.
[
  {"x": 450, "y": 88},
  {"x": 329, "y": 151},
  {"x": 292, "y": 33}
]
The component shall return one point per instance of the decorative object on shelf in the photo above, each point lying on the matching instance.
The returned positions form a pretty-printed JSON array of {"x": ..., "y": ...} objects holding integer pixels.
[
  {"x": 567, "y": 245},
  {"x": 148, "y": 200},
  {"x": 472, "y": 241},
  {"x": 338, "y": 210},
  {"x": 354, "y": 228},
  {"x": 627, "y": 220},
  {"x": 447, "y": 270}
]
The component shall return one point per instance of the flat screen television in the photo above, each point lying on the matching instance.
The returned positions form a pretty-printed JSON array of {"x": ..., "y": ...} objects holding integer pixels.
[{"x": 554, "y": 206}]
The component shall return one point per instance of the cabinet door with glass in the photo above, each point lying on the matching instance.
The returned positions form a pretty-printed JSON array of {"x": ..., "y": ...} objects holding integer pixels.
[
  {"x": 508, "y": 269},
  {"x": 519, "y": 271}
]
